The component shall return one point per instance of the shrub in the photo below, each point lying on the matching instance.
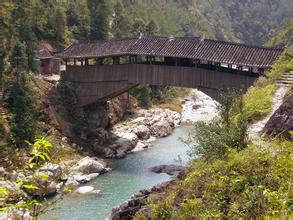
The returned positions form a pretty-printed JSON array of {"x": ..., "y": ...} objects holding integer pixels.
[
  {"x": 250, "y": 184},
  {"x": 39, "y": 153},
  {"x": 214, "y": 139}
]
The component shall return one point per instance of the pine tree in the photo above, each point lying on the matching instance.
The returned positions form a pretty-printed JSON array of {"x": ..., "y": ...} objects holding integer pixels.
[
  {"x": 18, "y": 57},
  {"x": 138, "y": 27},
  {"x": 20, "y": 99},
  {"x": 152, "y": 28},
  {"x": 78, "y": 19},
  {"x": 60, "y": 25},
  {"x": 99, "y": 13},
  {"x": 121, "y": 24}
]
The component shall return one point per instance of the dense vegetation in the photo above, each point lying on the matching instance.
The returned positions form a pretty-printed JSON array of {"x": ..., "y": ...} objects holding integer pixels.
[
  {"x": 234, "y": 178},
  {"x": 284, "y": 36},
  {"x": 59, "y": 22}
]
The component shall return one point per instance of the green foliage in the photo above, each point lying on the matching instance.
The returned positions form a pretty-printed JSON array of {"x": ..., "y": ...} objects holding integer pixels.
[
  {"x": 282, "y": 65},
  {"x": 60, "y": 25},
  {"x": 258, "y": 102},
  {"x": 148, "y": 95},
  {"x": 18, "y": 57},
  {"x": 143, "y": 94},
  {"x": 250, "y": 184},
  {"x": 99, "y": 14},
  {"x": 138, "y": 27},
  {"x": 78, "y": 19},
  {"x": 121, "y": 22},
  {"x": 20, "y": 98},
  {"x": 3, "y": 196},
  {"x": 152, "y": 28},
  {"x": 39, "y": 153},
  {"x": 215, "y": 139},
  {"x": 284, "y": 36},
  {"x": 254, "y": 22}
]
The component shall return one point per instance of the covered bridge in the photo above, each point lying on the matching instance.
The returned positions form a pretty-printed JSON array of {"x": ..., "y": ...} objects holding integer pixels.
[{"x": 105, "y": 69}]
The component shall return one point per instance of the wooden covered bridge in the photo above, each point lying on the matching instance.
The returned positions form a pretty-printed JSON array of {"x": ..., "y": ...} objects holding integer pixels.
[{"x": 102, "y": 70}]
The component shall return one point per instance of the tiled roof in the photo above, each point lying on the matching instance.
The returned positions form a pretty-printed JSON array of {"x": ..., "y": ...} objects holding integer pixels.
[
  {"x": 43, "y": 53},
  {"x": 180, "y": 47}
]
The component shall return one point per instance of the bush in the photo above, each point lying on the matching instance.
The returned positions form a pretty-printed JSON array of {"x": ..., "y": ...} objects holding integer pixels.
[
  {"x": 214, "y": 139},
  {"x": 249, "y": 184}
]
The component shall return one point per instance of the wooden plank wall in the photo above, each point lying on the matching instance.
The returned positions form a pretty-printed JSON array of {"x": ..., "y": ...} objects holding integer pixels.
[{"x": 100, "y": 82}]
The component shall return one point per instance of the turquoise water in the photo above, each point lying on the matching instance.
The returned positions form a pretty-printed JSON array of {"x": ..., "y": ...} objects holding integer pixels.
[{"x": 128, "y": 176}]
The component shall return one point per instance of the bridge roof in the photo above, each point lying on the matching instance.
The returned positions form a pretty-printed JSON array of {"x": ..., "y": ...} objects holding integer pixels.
[{"x": 180, "y": 47}]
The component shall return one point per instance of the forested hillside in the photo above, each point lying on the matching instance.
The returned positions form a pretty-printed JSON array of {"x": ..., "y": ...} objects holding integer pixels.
[{"x": 253, "y": 22}]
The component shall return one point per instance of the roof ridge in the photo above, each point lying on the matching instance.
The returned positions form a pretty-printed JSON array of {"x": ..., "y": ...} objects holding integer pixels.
[{"x": 176, "y": 37}]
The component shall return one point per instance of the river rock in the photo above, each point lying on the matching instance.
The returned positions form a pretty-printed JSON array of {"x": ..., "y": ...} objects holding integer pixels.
[
  {"x": 89, "y": 165},
  {"x": 136, "y": 134},
  {"x": 79, "y": 178},
  {"x": 3, "y": 172},
  {"x": 142, "y": 132},
  {"x": 87, "y": 190},
  {"x": 14, "y": 176},
  {"x": 15, "y": 215},
  {"x": 161, "y": 129},
  {"x": 54, "y": 171},
  {"x": 51, "y": 190},
  {"x": 168, "y": 169},
  {"x": 137, "y": 202}
]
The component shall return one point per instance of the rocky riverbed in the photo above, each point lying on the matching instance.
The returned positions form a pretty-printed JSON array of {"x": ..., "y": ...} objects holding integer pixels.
[
  {"x": 49, "y": 180},
  {"x": 137, "y": 134},
  {"x": 130, "y": 136}
]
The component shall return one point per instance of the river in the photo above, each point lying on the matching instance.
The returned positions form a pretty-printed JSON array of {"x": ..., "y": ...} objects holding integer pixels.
[{"x": 129, "y": 175}]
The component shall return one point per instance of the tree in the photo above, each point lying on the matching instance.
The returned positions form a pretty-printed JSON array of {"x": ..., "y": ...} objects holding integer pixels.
[
  {"x": 99, "y": 13},
  {"x": 121, "y": 24},
  {"x": 138, "y": 27},
  {"x": 20, "y": 99},
  {"x": 18, "y": 57},
  {"x": 214, "y": 140},
  {"x": 152, "y": 28},
  {"x": 143, "y": 94},
  {"x": 60, "y": 24},
  {"x": 78, "y": 19}
]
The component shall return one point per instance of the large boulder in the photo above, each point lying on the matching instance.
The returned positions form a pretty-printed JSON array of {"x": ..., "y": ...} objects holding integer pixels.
[
  {"x": 281, "y": 122},
  {"x": 89, "y": 165},
  {"x": 161, "y": 129},
  {"x": 76, "y": 179},
  {"x": 142, "y": 132}
]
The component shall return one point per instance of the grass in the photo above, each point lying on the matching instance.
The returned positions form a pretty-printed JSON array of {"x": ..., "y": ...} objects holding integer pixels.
[
  {"x": 258, "y": 102},
  {"x": 251, "y": 184},
  {"x": 259, "y": 99}
]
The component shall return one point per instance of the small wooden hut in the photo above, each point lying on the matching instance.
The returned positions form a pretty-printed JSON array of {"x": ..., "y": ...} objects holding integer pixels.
[{"x": 48, "y": 63}]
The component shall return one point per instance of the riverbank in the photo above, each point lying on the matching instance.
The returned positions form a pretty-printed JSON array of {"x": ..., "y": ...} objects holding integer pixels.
[{"x": 136, "y": 134}]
